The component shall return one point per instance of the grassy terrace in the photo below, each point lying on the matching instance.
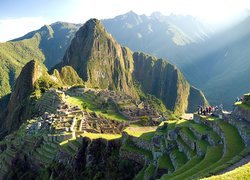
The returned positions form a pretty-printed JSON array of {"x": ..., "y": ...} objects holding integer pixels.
[
  {"x": 234, "y": 145},
  {"x": 179, "y": 157},
  {"x": 145, "y": 133},
  {"x": 150, "y": 170},
  {"x": 201, "y": 129},
  {"x": 83, "y": 102},
  {"x": 180, "y": 140},
  {"x": 195, "y": 160},
  {"x": 242, "y": 172},
  {"x": 140, "y": 175},
  {"x": 164, "y": 162},
  {"x": 103, "y": 136},
  {"x": 171, "y": 126},
  {"x": 215, "y": 136},
  {"x": 183, "y": 123},
  {"x": 130, "y": 146},
  {"x": 213, "y": 155},
  {"x": 189, "y": 133}
]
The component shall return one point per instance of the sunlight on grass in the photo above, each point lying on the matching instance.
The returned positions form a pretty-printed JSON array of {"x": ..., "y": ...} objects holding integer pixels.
[
  {"x": 145, "y": 133},
  {"x": 103, "y": 136},
  {"x": 242, "y": 105},
  {"x": 91, "y": 107},
  {"x": 242, "y": 172}
]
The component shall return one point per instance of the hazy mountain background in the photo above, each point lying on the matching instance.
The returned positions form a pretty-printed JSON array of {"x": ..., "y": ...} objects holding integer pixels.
[{"x": 217, "y": 63}]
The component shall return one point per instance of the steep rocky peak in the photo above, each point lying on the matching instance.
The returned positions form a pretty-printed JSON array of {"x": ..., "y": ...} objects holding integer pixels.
[
  {"x": 24, "y": 83},
  {"x": 99, "y": 60},
  {"x": 92, "y": 27},
  {"x": 24, "y": 86}
]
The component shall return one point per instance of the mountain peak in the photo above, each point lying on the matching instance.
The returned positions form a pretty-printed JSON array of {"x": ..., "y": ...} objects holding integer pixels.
[
  {"x": 93, "y": 21},
  {"x": 156, "y": 14},
  {"x": 91, "y": 28},
  {"x": 24, "y": 85},
  {"x": 99, "y": 60}
]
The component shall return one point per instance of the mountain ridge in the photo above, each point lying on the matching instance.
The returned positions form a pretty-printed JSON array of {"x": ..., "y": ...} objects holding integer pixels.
[{"x": 93, "y": 52}]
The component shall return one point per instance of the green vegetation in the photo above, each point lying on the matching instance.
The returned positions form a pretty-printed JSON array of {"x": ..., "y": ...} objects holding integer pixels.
[
  {"x": 85, "y": 102},
  {"x": 179, "y": 158},
  {"x": 39, "y": 45},
  {"x": 201, "y": 129},
  {"x": 43, "y": 84},
  {"x": 242, "y": 172},
  {"x": 175, "y": 95},
  {"x": 234, "y": 145},
  {"x": 130, "y": 146},
  {"x": 242, "y": 105},
  {"x": 103, "y": 136},
  {"x": 68, "y": 76},
  {"x": 140, "y": 175},
  {"x": 151, "y": 99},
  {"x": 164, "y": 162},
  {"x": 145, "y": 133},
  {"x": 215, "y": 136},
  {"x": 213, "y": 154},
  {"x": 195, "y": 160},
  {"x": 149, "y": 171}
]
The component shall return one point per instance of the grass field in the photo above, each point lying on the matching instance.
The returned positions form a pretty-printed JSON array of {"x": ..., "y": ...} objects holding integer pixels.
[
  {"x": 145, "y": 133},
  {"x": 92, "y": 107}
]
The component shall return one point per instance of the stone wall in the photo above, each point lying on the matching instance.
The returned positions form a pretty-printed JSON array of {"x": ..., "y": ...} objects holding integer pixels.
[
  {"x": 139, "y": 158},
  {"x": 242, "y": 113},
  {"x": 183, "y": 148},
  {"x": 188, "y": 141},
  {"x": 212, "y": 124},
  {"x": 141, "y": 143},
  {"x": 242, "y": 127}
]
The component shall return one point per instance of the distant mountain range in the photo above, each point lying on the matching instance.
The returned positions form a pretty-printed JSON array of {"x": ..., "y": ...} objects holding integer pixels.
[
  {"x": 215, "y": 62},
  {"x": 163, "y": 36},
  {"x": 218, "y": 63}
]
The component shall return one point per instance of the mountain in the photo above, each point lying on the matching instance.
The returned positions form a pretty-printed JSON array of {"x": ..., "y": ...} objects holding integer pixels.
[
  {"x": 164, "y": 36},
  {"x": 16, "y": 111},
  {"x": 48, "y": 45},
  {"x": 95, "y": 116},
  {"x": 99, "y": 60},
  {"x": 166, "y": 82},
  {"x": 102, "y": 63},
  {"x": 30, "y": 85},
  {"x": 221, "y": 66},
  {"x": 216, "y": 62}
]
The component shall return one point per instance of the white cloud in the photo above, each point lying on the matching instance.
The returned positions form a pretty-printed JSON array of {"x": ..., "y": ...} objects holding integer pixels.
[{"x": 13, "y": 28}]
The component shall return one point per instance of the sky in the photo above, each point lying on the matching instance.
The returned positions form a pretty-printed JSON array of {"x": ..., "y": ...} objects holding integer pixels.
[{"x": 18, "y": 17}]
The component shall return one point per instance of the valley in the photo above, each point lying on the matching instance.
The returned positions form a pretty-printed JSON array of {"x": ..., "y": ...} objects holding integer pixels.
[
  {"x": 164, "y": 148},
  {"x": 87, "y": 101}
]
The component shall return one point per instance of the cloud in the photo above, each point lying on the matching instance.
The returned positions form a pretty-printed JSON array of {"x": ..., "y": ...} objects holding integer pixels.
[{"x": 14, "y": 28}]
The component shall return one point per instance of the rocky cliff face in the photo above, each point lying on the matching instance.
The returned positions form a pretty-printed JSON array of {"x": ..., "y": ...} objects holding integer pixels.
[
  {"x": 102, "y": 63},
  {"x": 166, "y": 82},
  {"x": 16, "y": 109},
  {"x": 99, "y": 60}
]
